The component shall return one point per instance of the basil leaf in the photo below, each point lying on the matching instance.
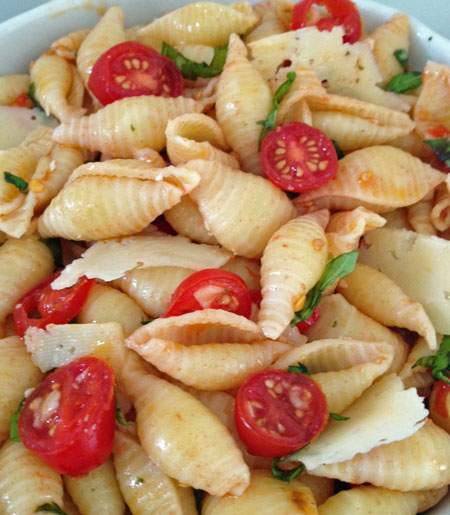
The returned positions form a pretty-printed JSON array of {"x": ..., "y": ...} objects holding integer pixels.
[
  {"x": 54, "y": 245},
  {"x": 18, "y": 182},
  {"x": 300, "y": 368},
  {"x": 13, "y": 424},
  {"x": 336, "y": 269},
  {"x": 119, "y": 415},
  {"x": 338, "y": 149},
  {"x": 32, "y": 95},
  {"x": 198, "y": 496},
  {"x": 402, "y": 57},
  {"x": 405, "y": 82},
  {"x": 285, "y": 475},
  {"x": 440, "y": 363},
  {"x": 335, "y": 416},
  {"x": 51, "y": 508},
  {"x": 441, "y": 147},
  {"x": 191, "y": 69},
  {"x": 270, "y": 123}
]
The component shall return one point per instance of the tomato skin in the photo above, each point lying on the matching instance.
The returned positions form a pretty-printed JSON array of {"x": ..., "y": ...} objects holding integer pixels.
[
  {"x": 257, "y": 412},
  {"x": 309, "y": 322},
  {"x": 23, "y": 100},
  {"x": 440, "y": 404},
  {"x": 438, "y": 132},
  {"x": 340, "y": 12},
  {"x": 295, "y": 174},
  {"x": 217, "y": 289},
  {"x": 78, "y": 434},
  {"x": 54, "y": 306},
  {"x": 155, "y": 74}
]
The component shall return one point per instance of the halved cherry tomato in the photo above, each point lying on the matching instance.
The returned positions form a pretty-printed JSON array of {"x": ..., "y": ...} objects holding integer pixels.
[
  {"x": 215, "y": 289},
  {"x": 440, "y": 404},
  {"x": 278, "y": 412},
  {"x": 23, "y": 100},
  {"x": 438, "y": 132},
  {"x": 297, "y": 157},
  {"x": 309, "y": 322},
  {"x": 69, "y": 420},
  {"x": 131, "y": 69},
  {"x": 339, "y": 12},
  {"x": 54, "y": 306}
]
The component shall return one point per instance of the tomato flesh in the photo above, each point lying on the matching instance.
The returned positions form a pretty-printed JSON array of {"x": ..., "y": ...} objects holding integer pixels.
[
  {"x": 53, "y": 306},
  {"x": 297, "y": 157},
  {"x": 213, "y": 289},
  {"x": 69, "y": 420},
  {"x": 309, "y": 322},
  {"x": 278, "y": 412},
  {"x": 132, "y": 69},
  {"x": 338, "y": 12}
]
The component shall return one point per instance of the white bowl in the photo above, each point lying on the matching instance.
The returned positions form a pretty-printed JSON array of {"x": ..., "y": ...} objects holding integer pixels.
[{"x": 26, "y": 36}]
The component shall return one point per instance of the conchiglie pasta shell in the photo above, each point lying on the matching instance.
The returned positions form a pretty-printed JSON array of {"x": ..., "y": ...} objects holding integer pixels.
[
  {"x": 284, "y": 12},
  {"x": 419, "y": 215},
  {"x": 192, "y": 23},
  {"x": 75, "y": 97},
  {"x": 292, "y": 263},
  {"x": 129, "y": 124},
  {"x": 380, "y": 178},
  {"x": 417, "y": 377},
  {"x": 11, "y": 86},
  {"x": 241, "y": 210},
  {"x": 430, "y": 498},
  {"x": 321, "y": 487},
  {"x": 68, "y": 45},
  {"x": 247, "y": 269},
  {"x": 440, "y": 212},
  {"x": 196, "y": 52},
  {"x": 269, "y": 24}
]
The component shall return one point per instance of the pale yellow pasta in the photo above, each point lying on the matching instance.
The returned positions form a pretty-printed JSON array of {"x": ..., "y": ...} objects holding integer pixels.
[
  {"x": 240, "y": 209},
  {"x": 300, "y": 112},
  {"x": 440, "y": 212},
  {"x": 247, "y": 269},
  {"x": 379, "y": 178},
  {"x": 108, "y": 32},
  {"x": 379, "y": 297},
  {"x": 429, "y": 498},
  {"x": 292, "y": 263},
  {"x": 389, "y": 37},
  {"x": 181, "y": 436},
  {"x": 75, "y": 96},
  {"x": 413, "y": 144},
  {"x": 419, "y": 215},
  {"x": 345, "y": 229},
  {"x": 106, "y": 304},
  {"x": 284, "y": 12},
  {"x": 197, "y": 52},
  {"x": 243, "y": 99},
  {"x": 69, "y": 506},
  {"x": 197, "y": 136},
  {"x": 417, "y": 377},
  {"x": 67, "y": 46},
  {"x": 193, "y": 23},
  {"x": 18, "y": 374},
  {"x": 269, "y": 24},
  {"x": 397, "y": 219},
  {"x": 321, "y": 487},
  {"x": 11, "y": 86},
  {"x": 52, "y": 77},
  {"x": 26, "y": 482},
  {"x": 97, "y": 493},
  {"x": 265, "y": 496},
  {"x": 118, "y": 197},
  {"x": 127, "y": 125}
]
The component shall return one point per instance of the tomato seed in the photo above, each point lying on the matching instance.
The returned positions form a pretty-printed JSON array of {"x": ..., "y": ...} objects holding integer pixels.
[{"x": 269, "y": 383}]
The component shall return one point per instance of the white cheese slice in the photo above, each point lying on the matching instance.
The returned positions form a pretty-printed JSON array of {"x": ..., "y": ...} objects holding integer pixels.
[
  {"x": 384, "y": 413},
  {"x": 109, "y": 260}
]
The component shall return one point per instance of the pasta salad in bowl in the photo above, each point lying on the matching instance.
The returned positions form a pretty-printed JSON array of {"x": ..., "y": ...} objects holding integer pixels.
[{"x": 224, "y": 283}]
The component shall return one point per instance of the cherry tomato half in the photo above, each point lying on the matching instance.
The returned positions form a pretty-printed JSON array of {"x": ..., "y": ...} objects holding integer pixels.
[
  {"x": 215, "y": 289},
  {"x": 297, "y": 157},
  {"x": 68, "y": 421},
  {"x": 278, "y": 412},
  {"x": 309, "y": 322},
  {"x": 440, "y": 405},
  {"x": 131, "y": 69},
  {"x": 339, "y": 12},
  {"x": 23, "y": 100},
  {"x": 54, "y": 306}
]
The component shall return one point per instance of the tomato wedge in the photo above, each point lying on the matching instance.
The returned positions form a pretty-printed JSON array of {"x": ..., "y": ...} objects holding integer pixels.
[
  {"x": 440, "y": 404},
  {"x": 338, "y": 12},
  {"x": 53, "y": 306},
  {"x": 215, "y": 289},
  {"x": 278, "y": 412},
  {"x": 297, "y": 157},
  {"x": 23, "y": 100},
  {"x": 69, "y": 420},
  {"x": 132, "y": 69},
  {"x": 309, "y": 322}
]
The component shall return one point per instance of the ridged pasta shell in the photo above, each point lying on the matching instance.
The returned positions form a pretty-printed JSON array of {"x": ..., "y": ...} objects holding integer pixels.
[
  {"x": 247, "y": 269},
  {"x": 243, "y": 99},
  {"x": 419, "y": 215},
  {"x": 379, "y": 178},
  {"x": 440, "y": 212},
  {"x": 192, "y": 23},
  {"x": 75, "y": 97},
  {"x": 269, "y": 24},
  {"x": 126, "y": 125},
  {"x": 417, "y": 377},
  {"x": 292, "y": 263},
  {"x": 241, "y": 210},
  {"x": 67, "y": 46},
  {"x": 11, "y": 86}
]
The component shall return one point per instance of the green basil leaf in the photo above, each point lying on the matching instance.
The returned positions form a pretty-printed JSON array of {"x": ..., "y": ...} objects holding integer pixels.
[
  {"x": 50, "y": 508},
  {"x": 441, "y": 147},
  {"x": 119, "y": 415},
  {"x": 405, "y": 82},
  {"x": 191, "y": 69},
  {"x": 18, "y": 182},
  {"x": 440, "y": 363},
  {"x": 285, "y": 475},
  {"x": 270, "y": 123},
  {"x": 338, "y": 149},
  {"x": 336, "y": 269},
  {"x": 335, "y": 416},
  {"x": 300, "y": 368},
  {"x": 402, "y": 57},
  {"x": 32, "y": 94},
  {"x": 13, "y": 424},
  {"x": 54, "y": 245}
]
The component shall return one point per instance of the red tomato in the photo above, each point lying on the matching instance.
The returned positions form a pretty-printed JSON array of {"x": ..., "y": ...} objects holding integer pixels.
[
  {"x": 338, "y": 12},
  {"x": 440, "y": 404},
  {"x": 23, "y": 100},
  {"x": 131, "y": 69},
  {"x": 216, "y": 289},
  {"x": 309, "y": 322},
  {"x": 68, "y": 421},
  {"x": 438, "y": 132},
  {"x": 278, "y": 412},
  {"x": 297, "y": 157},
  {"x": 53, "y": 306}
]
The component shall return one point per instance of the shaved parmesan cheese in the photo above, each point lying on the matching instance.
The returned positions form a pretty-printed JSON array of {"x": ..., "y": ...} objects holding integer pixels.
[
  {"x": 109, "y": 260},
  {"x": 378, "y": 417}
]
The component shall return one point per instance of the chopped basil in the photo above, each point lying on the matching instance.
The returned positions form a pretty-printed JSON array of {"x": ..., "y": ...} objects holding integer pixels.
[
  {"x": 198, "y": 495},
  {"x": 191, "y": 69},
  {"x": 338, "y": 149},
  {"x": 405, "y": 82},
  {"x": 16, "y": 181},
  {"x": 335, "y": 416},
  {"x": 441, "y": 147},
  {"x": 119, "y": 415},
  {"x": 300, "y": 368},
  {"x": 440, "y": 363},
  {"x": 402, "y": 57},
  {"x": 50, "y": 508},
  {"x": 132, "y": 127},
  {"x": 285, "y": 475},
  {"x": 32, "y": 94},
  {"x": 54, "y": 245},
  {"x": 336, "y": 269},
  {"x": 270, "y": 123},
  {"x": 334, "y": 324},
  {"x": 13, "y": 424},
  {"x": 139, "y": 481}
]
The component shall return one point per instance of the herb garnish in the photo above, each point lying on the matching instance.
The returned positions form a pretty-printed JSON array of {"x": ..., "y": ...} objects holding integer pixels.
[
  {"x": 402, "y": 57},
  {"x": 51, "y": 508},
  {"x": 334, "y": 324},
  {"x": 338, "y": 149},
  {"x": 285, "y": 475},
  {"x": 405, "y": 82},
  {"x": 440, "y": 363},
  {"x": 441, "y": 147},
  {"x": 300, "y": 368},
  {"x": 119, "y": 415},
  {"x": 13, "y": 424},
  {"x": 54, "y": 245},
  {"x": 32, "y": 95},
  {"x": 335, "y": 416},
  {"x": 16, "y": 181}
]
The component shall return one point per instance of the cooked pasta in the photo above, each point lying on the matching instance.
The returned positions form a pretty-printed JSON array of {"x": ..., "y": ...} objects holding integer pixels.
[{"x": 11, "y": 86}]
